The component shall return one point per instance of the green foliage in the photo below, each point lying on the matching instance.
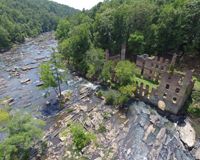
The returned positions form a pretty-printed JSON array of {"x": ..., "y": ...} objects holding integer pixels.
[
  {"x": 125, "y": 92},
  {"x": 145, "y": 26},
  {"x": 76, "y": 45},
  {"x": 23, "y": 132},
  {"x": 80, "y": 137},
  {"x": 105, "y": 74},
  {"x": 68, "y": 94},
  {"x": 3, "y": 116},
  {"x": 69, "y": 110},
  {"x": 101, "y": 129},
  {"x": 105, "y": 115},
  {"x": 111, "y": 98},
  {"x": 68, "y": 123},
  {"x": 26, "y": 18},
  {"x": 125, "y": 71},
  {"x": 193, "y": 109},
  {"x": 51, "y": 75},
  {"x": 64, "y": 132},
  {"x": 95, "y": 60},
  {"x": 91, "y": 70},
  {"x": 100, "y": 93},
  {"x": 195, "y": 96},
  {"x": 136, "y": 42}
]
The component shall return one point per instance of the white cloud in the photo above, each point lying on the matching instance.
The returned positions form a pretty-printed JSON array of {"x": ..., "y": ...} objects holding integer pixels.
[{"x": 79, "y": 4}]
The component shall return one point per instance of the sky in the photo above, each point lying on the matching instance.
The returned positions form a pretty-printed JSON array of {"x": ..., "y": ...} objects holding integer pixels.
[{"x": 79, "y": 4}]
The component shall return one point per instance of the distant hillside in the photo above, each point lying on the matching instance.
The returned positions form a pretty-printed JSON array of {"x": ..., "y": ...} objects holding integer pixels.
[{"x": 28, "y": 18}]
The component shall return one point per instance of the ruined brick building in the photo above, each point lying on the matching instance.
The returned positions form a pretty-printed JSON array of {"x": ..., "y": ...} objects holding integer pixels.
[{"x": 173, "y": 90}]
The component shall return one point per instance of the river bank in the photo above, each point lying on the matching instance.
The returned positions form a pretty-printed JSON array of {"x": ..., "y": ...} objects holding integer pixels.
[{"x": 136, "y": 131}]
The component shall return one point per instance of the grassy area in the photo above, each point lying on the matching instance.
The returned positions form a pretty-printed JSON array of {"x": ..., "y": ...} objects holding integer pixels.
[
  {"x": 151, "y": 84},
  {"x": 197, "y": 83},
  {"x": 191, "y": 108}
]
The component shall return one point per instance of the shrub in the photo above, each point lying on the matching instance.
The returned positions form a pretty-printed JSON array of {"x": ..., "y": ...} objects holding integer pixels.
[
  {"x": 64, "y": 132},
  {"x": 68, "y": 94},
  {"x": 195, "y": 96},
  {"x": 111, "y": 98},
  {"x": 194, "y": 110},
  {"x": 101, "y": 129},
  {"x": 105, "y": 74},
  {"x": 100, "y": 93},
  {"x": 68, "y": 123},
  {"x": 69, "y": 110},
  {"x": 125, "y": 71},
  {"x": 105, "y": 116},
  {"x": 81, "y": 139},
  {"x": 125, "y": 92}
]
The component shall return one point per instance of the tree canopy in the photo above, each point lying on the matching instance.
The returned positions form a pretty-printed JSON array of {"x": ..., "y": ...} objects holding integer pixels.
[
  {"x": 28, "y": 18},
  {"x": 146, "y": 26},
  {"x": 23, "y": 132}
]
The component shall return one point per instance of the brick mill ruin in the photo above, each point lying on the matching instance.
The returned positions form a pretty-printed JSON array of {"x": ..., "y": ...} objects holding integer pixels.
[{"x": 172, "y": 91}]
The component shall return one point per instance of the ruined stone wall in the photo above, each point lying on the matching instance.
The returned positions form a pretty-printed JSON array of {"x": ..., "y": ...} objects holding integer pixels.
[
  {"x": 153, "y": 69},
  {"x": 172, "y": 91},
  {"x": 141, "y": 90},
  {"x": 117, "y": 58}
]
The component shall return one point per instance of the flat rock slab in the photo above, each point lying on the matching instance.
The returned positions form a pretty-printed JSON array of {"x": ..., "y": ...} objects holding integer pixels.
[
  {"x": 197, "y": 155},
  {"x": 26, "y": 105},
  {"x": 25, "y": 81},
  {"x": 40, "y": 84},
  {"x": 151, "y": 129},
  {"x": 84, "y": 108},
  {"x": 28, "y": 68},
  {"x": 187, "y": 134},
  {"x": 39, "y": 58},
  {"x": 153, "y": 118}
]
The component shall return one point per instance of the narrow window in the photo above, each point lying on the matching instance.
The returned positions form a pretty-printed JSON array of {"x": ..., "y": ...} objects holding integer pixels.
[
  {"x": 177, "y": 90},
  {"x": 165, "y": 95},
  {"x": 167, "y": 86}
]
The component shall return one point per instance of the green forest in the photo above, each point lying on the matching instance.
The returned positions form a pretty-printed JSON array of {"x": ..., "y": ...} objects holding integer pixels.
[
  {"x": 28, "y": 18},
  {"x": 146, "y": 26}
]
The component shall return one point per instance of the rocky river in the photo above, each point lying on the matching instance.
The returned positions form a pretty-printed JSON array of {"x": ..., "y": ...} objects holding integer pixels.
[{"x": 136, "y": 132}]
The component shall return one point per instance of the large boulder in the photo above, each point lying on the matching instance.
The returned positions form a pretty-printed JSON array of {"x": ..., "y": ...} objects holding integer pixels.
[{"x": 187, "y": 134}]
